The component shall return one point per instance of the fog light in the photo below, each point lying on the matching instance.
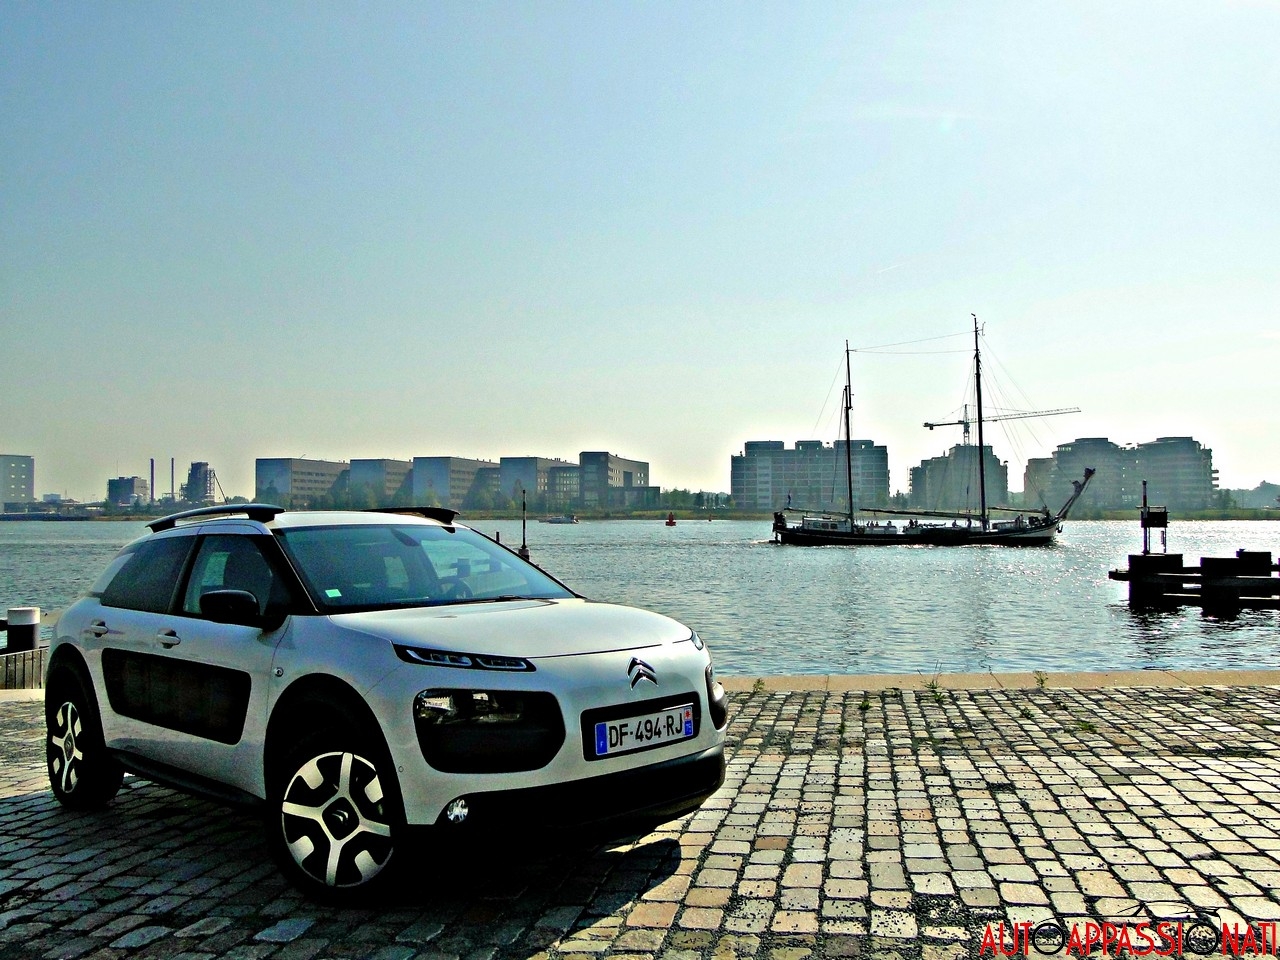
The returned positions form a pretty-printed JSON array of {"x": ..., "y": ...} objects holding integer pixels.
[{"x": 456, "y": 811}]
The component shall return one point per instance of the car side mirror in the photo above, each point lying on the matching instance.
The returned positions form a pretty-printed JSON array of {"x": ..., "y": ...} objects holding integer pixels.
[{"x": 231, "y": 606}]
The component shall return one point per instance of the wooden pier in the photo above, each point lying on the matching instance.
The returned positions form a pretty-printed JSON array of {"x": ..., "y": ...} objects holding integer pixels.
[{"x": 1221, "y": 585}]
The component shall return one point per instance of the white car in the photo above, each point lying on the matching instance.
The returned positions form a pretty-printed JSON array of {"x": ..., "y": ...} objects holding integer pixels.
[{"x": 359, "y": 674}]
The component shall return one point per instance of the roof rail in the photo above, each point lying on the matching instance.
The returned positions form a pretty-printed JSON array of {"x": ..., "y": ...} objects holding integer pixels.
[
  {"x": 254, "y": 511},
  {"x": 443, "y": 514}
]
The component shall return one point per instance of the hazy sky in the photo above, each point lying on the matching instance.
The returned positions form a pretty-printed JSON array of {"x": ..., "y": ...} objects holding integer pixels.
[{"x": 331, "y": 230}]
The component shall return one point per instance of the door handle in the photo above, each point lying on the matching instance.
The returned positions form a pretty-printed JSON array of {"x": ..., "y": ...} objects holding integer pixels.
[
  {"x": 98, "y": 628},
  {"x": 168, "y": 639}
]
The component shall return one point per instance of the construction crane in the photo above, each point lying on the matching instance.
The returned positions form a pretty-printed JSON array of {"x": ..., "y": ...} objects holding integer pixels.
[{"x": 1001, "y": 416}]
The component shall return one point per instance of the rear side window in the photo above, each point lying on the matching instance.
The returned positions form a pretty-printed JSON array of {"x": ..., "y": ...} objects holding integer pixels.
[{"x": 149, "y": 576}]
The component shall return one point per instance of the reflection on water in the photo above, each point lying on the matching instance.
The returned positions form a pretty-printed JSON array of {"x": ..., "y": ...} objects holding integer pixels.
[{"x": 770, "y": 609}]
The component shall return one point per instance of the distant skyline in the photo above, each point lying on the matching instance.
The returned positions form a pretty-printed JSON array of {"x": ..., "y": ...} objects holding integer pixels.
[{"x": 486, "y": 229}]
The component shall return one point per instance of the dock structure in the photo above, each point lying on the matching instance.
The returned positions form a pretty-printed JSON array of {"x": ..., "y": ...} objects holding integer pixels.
[{"x": 1227, "y": 585}]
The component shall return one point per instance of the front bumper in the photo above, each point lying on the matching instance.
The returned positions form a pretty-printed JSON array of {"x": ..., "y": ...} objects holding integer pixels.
[{"x": 645, "y": 795}]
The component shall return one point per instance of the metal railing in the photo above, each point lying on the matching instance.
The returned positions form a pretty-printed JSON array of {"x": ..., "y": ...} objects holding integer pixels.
[{"x": 23, "y": 670}]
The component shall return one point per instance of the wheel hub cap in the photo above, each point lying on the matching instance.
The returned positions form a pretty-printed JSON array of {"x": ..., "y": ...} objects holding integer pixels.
[{"x": 334, "y": 822}]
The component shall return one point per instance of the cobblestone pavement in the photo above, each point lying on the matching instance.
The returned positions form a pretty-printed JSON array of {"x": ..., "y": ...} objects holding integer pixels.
[{"x": 897, "y": 823}]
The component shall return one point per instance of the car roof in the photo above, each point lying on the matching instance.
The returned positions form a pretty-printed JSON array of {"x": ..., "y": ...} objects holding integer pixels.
[{"x": 274, "y": 517}]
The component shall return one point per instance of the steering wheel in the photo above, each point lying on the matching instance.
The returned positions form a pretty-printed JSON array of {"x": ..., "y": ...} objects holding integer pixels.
[{"x": 455, "y": 588}]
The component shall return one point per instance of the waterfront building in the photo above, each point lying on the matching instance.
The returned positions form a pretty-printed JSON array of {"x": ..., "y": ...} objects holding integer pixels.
[
  {"x": 1179, "y": 472},
  {"x": 607, "y": 480},
  {"x": 17, "y": 478},
  {"x": 564, "y": 486},
  {"x": 127, "y": 491},
  {"x": 950, "y": 482},
  {"x": 452, "y": 481},
  {"x": 1047, "y": 481},
  {"x": 526, "y": 475},
  {"x": 485, "y": 490},
  {"x": 293, "y": 481},
  {"x": 384, "y": 482},
  {"x": 768, "y": 476}
]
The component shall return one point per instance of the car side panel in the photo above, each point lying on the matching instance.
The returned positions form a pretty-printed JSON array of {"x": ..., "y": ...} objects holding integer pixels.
[{"x": 197, "y": 704}]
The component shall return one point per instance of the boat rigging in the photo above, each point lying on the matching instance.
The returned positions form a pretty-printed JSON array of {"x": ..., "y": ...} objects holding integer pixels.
[{"x": 1026, "y": 529}]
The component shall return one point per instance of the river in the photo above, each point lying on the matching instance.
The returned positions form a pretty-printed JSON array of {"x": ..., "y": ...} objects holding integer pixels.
[{"x": 766, "y": 609}]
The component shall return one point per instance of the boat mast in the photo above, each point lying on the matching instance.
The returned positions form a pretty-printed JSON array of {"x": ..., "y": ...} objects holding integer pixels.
[
  {"x": 982, "y": 459},
  {"x": 848, "y": 435}
]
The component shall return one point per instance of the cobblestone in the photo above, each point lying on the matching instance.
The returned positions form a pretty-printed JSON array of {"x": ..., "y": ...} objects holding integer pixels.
[{"x": 887, "y": 823}]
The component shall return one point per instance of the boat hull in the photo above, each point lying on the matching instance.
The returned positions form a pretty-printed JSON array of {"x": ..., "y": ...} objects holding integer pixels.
[{"x": 930, "y": 536}]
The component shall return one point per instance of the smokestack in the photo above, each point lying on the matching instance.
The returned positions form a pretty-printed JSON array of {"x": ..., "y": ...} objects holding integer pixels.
[
  {"x": 151, "y": 490},
  {"x": 173, "y": 490}
]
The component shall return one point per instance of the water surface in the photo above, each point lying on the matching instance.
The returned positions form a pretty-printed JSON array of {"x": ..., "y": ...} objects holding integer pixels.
[{"x": 767, "y": 609}]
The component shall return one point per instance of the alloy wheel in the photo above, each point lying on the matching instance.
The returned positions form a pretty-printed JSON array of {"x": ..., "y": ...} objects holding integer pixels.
[
  {"x": 65, "y": 754},
  {"x": 334, "y": 820}
]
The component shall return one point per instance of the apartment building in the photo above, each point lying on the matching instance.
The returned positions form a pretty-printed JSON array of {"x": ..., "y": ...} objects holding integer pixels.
[
  {"x": 768, "y": 476},
  {"x": 1178, "y": 470},
  {"x": 951, "y": 482}
]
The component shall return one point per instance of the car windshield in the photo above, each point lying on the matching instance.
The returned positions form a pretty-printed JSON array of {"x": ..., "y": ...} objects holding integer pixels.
[{"x": 382, "y": 566}]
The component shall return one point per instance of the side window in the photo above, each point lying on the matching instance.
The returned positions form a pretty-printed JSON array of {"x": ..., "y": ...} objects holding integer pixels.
[
  {"x": 230, "y": 563},
  {"x": 148, "y": 579}
]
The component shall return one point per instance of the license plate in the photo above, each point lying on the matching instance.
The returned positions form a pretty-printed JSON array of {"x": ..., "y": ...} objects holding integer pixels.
[{"x": 636, "y": 733}]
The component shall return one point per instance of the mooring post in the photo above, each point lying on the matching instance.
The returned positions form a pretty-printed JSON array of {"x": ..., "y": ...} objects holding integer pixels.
[
  {"x": 23, "y": 629},
  {"x": 1147, "y": 588},
  {"x": 1219, "y": 586}
]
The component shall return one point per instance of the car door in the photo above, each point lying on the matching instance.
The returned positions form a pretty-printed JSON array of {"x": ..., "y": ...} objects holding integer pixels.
[{"x": 194, "y": 688}]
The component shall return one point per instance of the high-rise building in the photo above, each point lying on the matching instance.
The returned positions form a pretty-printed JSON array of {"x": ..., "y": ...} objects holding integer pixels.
[
  {"x": 1179, "y": 472},
  {"x": 1047, "y": 481},
  {"x": 951, "y": 482},
  {"x": 814, "y": 476},
  {"x": 17, "y": 478}
]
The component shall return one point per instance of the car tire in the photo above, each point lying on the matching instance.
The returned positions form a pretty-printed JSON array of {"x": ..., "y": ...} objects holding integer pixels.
[
  {"x": 82, "y": 774},
  {"x": 334, "y": 820}
]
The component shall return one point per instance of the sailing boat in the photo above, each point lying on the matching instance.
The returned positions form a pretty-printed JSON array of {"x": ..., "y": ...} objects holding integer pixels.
[{"x": 1027, "y": 529}]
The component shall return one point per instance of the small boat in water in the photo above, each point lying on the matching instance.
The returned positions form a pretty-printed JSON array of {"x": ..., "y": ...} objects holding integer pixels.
[
  {"x": 567, "y": 518},
  {"x": 924, "y": 527}
]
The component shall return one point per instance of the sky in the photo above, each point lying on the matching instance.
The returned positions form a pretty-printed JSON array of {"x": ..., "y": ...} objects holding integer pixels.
[{"x": 242, "y": 230}]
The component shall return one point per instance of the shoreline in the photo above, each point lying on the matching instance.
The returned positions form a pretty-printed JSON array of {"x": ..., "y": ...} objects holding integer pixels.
[
  {"x": 1066, "y": 680},
  {"x": 880, "y": 682}
]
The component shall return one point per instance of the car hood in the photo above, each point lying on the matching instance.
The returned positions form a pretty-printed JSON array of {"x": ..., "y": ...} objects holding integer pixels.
[{"x": 520, "y": 628}]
